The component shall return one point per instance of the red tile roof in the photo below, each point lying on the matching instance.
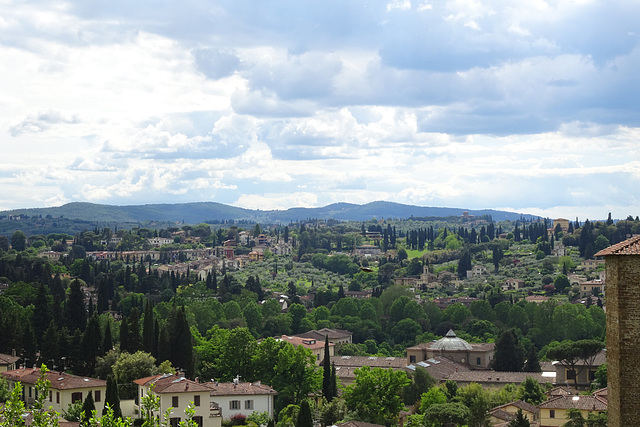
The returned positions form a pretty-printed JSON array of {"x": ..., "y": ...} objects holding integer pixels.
[
  {"x": 169, "y": 383},
  {"x": 585, "y": 403},
  {"x": 6, "y": 359},
  {"x": 59, "y": 380},
  {"x": 628, "y": 247},
  {"x": 309, "y": 343},
  {"x": 232, "y": 389}
]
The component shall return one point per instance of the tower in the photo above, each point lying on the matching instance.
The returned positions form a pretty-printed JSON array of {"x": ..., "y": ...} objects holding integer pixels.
[{"x": 623, "y": 330}]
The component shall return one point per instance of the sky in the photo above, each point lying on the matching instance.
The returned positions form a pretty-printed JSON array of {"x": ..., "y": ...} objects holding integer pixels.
[{"x": 526, "y": 106}]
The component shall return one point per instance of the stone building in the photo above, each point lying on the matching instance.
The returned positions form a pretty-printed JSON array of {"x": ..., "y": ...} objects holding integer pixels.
[
  {"x": 623, "y": 330},
  {"x": 476, "y": 356}
]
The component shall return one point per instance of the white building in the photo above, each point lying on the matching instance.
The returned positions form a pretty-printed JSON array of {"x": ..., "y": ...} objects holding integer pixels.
[{"x": 241, "y": 398}]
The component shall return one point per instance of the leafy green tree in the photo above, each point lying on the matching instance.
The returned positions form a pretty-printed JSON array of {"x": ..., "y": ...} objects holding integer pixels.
[
  {"x": 446, "y": 415},
  {"x": 296, "y": 375},
  {"x": 18, "y": 241},
  {"x": 421, "y": 382},
  {"x": 435, "y": 396},
  {"x": 130, "y": 367},
  {"x": 13, "y": 408},
  {"x": 531, "y": 391},
  {"x": 561, "y": 282},
  {"x": 375, "y": 394},
  {"x": 476, "y": 399}
]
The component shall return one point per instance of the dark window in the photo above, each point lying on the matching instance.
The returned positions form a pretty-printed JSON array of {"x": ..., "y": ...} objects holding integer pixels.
[
  {"x": 552, "y": 413},
  {"x": 196, "y": 400},
  {"x": 571, "y": 374},
  {"x": 174, "y": 401},
  {"x": 98, "y": 396},
  {"x": 248, "y": 404},
  {"x": 174, "y": 422},
  {"x": 412, "y": 359},
  {"x": 478, "y": 361},
  {"x": 50, "y": 396},
  {"x": 234, "y": 404},
  {"x": 198, "y": 421},
  {"x": 76, "y": 397},
  {"x": 57, "y": 397},
  {"x": 592, "y": 375}
]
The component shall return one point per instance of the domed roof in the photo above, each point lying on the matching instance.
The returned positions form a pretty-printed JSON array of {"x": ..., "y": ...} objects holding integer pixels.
[{"x": 451, "y": 342}]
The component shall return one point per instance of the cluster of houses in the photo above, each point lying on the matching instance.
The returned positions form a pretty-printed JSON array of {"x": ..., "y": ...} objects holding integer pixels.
[{"x": 449, "y": 358}]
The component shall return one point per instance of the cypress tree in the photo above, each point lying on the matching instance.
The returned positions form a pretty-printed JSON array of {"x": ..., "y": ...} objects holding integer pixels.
[
  {"x": 124, "y": 335},
  {"x": 304, "y": 416},
  {"x": 326, "y": 377},
  {"x": 76, "y": 313},
  {"x": 148, "y": 332},
  {"x": 107, "y": 342},
  {"x": 91, "y": 344},
  {"x": 112, "y": 398},
  {"x": 532, "y": 364},
  {"x": 87, "y": 408},
  {"x": 334, "y": 380}
]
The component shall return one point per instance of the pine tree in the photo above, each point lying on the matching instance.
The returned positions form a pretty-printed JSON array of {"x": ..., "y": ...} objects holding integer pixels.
[
  {"x": 532, "y": 363},
  {"x": 508, "y": 355}
]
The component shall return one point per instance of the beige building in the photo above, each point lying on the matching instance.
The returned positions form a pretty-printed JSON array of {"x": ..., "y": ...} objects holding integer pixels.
[
  {"x": 8, "y": 362},
  {"x": 65, "y": 388},
  {"x": 336, "y": 336},
  {"x": 476, "y": 356},
  {"x": 316, "y": 346},
  {"x": 553, "y": 412},
  {"x": 241, "y": 398},
  {"x": 507, "y": 412},
  {"x": 178, "y": 392}
]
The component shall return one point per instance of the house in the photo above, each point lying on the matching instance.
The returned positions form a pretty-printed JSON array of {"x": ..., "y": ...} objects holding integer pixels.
[
  {"x": 563, "y": 223},
  {"x": 336, "y": 336},
  {"x": 8, "y": 362},
  {"x": 591, "y": 287},
  {"x": 316, "y": 346},
  {"x": 237, "y": 397},
  {"x": 553, "y": 412},
  {"x": 178, "y": 392},
  {"x": 538, "y": 299},
  {"x": 508, "y": 411},
  {"x": 592, "y": 264},
  {"x": 512, "y": 284},
  {"x": 585, "y": 373},
  {"x": 65, "y": 388},
  {"x": 346, "y": 365},
  {"x": 476, "y": 270},
  {"x": 475, "y": 356}
]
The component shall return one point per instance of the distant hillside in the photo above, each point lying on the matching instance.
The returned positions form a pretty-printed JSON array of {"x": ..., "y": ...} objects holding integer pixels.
[{"x": 193, "y": 213}]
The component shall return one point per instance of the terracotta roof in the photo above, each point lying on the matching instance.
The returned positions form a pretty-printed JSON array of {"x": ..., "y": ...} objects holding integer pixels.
[
  {"x": 59, "y": 380},
  {"x": 371, "y": 361},
  {"x": 440, "y": 367},
  {"x": 232, "y": 389},
  {"x": 585, "y": 403},
  {"x": 559, "y": 391},
  {"x": 6, "y": 359},
  {"x": 321, "y": 333},
  {"x": 603, "y": 392},
  {"x": 493, "y": 377},
  {"x": 528, "y": 407},
  {"x": 309, "y": 343},
  {"x": 628, "y": 247},
  {"x": 169, "y": 383},
  {"x": 501, "y": 415}
]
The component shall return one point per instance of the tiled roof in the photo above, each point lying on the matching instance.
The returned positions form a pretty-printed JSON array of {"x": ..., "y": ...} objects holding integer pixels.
[
  {"x": 59, "y": 380},
  {"x": 169, "y": 383},
  {"x": 585, "y": 403},
  {"x": 628, "y": 247},
  {"x": 321, "y": 333},
  {"x": 232, "y": 389},
  {"x": 6, "y": 359},
  {"x": 528, "y": 407},
  {"x": 501, "y": 415},
  {"x": 559, "y": 391},
  {"x": 603, "y": 392},
  {"x": 309, "y": 343},
  {"x": 493, "y": 377},
  {"x": 439, "y": 367},
  {"x": 371, "y": 361}
]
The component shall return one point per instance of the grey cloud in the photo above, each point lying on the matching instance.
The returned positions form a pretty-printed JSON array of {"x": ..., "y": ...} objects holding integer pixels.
[
  {"x": 216, "y": 63},
  {"x": 41, "y": 122}
]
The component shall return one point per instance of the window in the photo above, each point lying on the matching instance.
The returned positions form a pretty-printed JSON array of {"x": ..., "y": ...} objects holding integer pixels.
[
  {"x": 412, "y": 359},
  {"x": 234, "y": 404},
  {"x": 198, "y": 420},
  {"x": 196, "y": 400},
  {"x": 571, "y": 374},
  {"x": 248, "y": 404},
  {"x": 174, "y": 422},
  {"x": 478, "y": 361},
  {"x": 174, "y": 401},
  {"x": 592, "y": 375},
  {"x": 97, "y": 396},
  {"x": 57, "y": 397},
  {"x": 76, "y": 397},
  {"x": 50, "y": 396},
  {"x": 552, "y": 413}
]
